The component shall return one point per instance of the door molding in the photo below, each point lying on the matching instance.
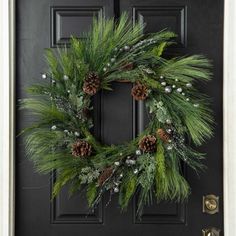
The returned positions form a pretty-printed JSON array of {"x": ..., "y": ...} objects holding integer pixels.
[{"x": 7, "y": 116}]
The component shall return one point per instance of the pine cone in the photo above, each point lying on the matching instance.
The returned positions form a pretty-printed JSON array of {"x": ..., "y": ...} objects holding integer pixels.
[
  {"x": 82, "y": 149},
  {"x": 139, "y": 92},
  {"x": 107, "y": 173},
  {"x": 148, "y": 143},
  {"x": 165, "y": 137},
  {"x": 91, "y": 84}
]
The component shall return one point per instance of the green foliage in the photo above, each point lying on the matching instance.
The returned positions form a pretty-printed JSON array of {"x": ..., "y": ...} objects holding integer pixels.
[
  {"x": 74, "y": 186},
  {"x": 156, "y": 107},
  {"x": 147, "y": 167},
  {"x": 172, "y": 187},
  {"x": 88, "y": 175},
  {"x": 158, "y": 50},
  {"x": 160, "y": 160},
  {"x": 91, "y": 193},
  {"x": 198, "y": 121},
  {"x": 59, "y": 104},
  {"x": 127, "y": 190},
  {"x": 44, "y": 110},
  {"x": 54, "y": 68},
  {"x": 170, "y": 184},
  {"x": 64, "y": 177},
  {"x": 186, "y": 69}
]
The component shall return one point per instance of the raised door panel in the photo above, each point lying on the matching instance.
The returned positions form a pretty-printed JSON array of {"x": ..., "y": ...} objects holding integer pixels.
[
  {"x": 156, "y": 18},
  {"x": 162, "y": 213},
  {"x": 199, "y": 32},
  {"x": 74, "y": 210},
  {"x": 70, "y": 21},
  {"x": 66, "y": 21},
  {"x": 52, "y": 26}
]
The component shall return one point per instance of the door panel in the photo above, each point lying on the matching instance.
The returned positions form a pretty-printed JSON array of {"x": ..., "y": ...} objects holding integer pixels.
[
  {"x": 71, "y": 20},
  {"x": 74, "y": 210},
  {"x": 199, "y": 28},
  {"x": 117, "y": 118},
  {"x": 158, "y": 18},
  {"x": 40, "y": 25}
]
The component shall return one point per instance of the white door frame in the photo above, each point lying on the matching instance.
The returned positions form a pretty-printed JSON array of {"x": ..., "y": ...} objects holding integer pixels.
[
  {"x": 7, "y": 78},
  {"x": 229, "y": 112}
]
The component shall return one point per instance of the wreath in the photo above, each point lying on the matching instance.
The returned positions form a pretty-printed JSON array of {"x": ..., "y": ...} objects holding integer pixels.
[{"x": 180, "y": 119}]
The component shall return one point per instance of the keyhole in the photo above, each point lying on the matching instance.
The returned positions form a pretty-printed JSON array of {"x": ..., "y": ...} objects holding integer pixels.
[{"x": 211, "y": 204}]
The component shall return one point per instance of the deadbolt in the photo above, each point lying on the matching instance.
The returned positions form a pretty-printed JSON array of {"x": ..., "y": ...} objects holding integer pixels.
[
  {"x": 210, "y": 204},
  {"x": 211, "y": 232}
]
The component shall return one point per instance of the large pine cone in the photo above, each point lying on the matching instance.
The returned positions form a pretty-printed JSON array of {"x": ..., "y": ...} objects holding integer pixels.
[
  {"x": 139, "y": 92},
  {"x": 148, "y": 143},
  {"x": 91, "y": 84},
  {"x": 107, "y": 173},
  {"x": 81, "y": 149},
  {"x": 165, "y": 137}
]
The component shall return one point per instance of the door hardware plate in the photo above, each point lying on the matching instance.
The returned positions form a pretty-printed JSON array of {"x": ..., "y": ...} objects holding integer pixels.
[
  {"x": 211, "y": 232},
  {"x": 210, "y": 204}
]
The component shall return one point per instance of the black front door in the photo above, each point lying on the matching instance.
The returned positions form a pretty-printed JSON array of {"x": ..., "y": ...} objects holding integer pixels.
[{"x": 50, "y": 23}]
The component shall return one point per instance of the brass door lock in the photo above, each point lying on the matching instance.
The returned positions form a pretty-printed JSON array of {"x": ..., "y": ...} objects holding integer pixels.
[
  {"x": 211, "y": 232},
  {"x": 210, "y": 204}
]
